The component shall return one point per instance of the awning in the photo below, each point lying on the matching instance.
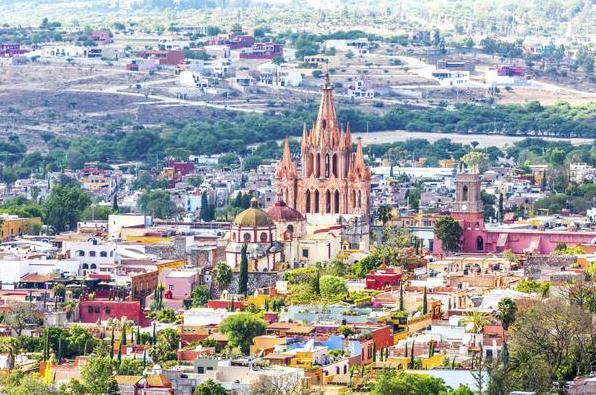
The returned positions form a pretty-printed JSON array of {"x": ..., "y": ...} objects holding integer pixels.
[
  {"x": 502, "y": 240},
  {"x": 533, "y": 244}
]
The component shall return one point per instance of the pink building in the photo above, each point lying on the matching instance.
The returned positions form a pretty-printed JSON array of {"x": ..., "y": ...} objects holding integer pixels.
[
  {"x": 469, "y": 212},
  {"x": 383, "y": 278},
  {"x": 179, "y": 283}
]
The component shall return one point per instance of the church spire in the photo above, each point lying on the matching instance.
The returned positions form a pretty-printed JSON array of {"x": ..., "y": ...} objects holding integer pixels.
[
  {"x": 304, "y": 141},
  {"x": 326, "y": 123},
  {"x": 286, "y": 166}
]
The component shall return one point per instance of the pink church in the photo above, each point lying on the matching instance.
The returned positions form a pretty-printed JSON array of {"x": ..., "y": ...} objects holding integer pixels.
[{"x": 469, "y": 212}]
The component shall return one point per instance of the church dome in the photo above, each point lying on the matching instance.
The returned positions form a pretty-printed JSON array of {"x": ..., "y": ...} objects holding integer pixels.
[
  {"x": 253, "y": 216},
  {"x": 280, "y": 211}
]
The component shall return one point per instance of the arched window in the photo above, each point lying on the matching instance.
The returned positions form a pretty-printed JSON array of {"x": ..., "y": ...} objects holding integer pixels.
[
  {"x": 479, "y": 243},
  {"x": 93, "y": 266},
  {"x": 316, "y": 210},
  {"x": 80, "y": 253},
  {"x": 334, "y": 165},
  {"x": 246, "y": 237},
  {"x": 84, "y": 266},
  {"x": 354, "y": 199},
  {"x": 103, "y": 254},
  {"x": 327, "y": 166},
  {"x": 359, "y": 199},
  {"x": 309, "y": 164},
  {"x": 336, "y": 202},
  {"x": 328, "y": 202},
  {"x": 318, "y": 166},
  {"x": 308, "y": 201},
  {"x": 290, "y": 228},
  {"x": 263, "y": 237},
  {"x": 233, "y": 236},
  {"x": 464, "y": 193}
]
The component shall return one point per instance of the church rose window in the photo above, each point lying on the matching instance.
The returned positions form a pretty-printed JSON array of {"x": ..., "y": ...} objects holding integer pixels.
[
  {"x": 246, "y": 237},
  {"x": 263, "y": 237}
]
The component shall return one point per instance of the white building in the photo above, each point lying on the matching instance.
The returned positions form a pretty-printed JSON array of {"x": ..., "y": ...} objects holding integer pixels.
[
  {"x": 279, "y": 75},
  {"x": 94, "y": 255},
  {"x": 193, "y": 79},
  {"x": 205, "y": 316},
  {"x": 580, "y": 172},
  {"x": 452, "y": 78},
  {"x": 359, "y": 46},
  {"x": 71, "y": 51}
]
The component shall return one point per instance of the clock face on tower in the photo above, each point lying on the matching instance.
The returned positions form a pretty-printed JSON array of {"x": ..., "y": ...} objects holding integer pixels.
[{"x": 464, "y": 207}]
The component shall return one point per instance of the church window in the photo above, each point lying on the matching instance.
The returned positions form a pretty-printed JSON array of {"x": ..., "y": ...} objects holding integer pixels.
[
  {"x": 305, "y": 252},
  {"x": 328, "y": 202},
  {"x": 354, "y": 199},
  {"x": 318, "y": 166},
  {"x": 464, "y": 193},
  {"x": 263, "y": 237},
  {"x": 246, "y": 237},
  {"x": 233, "y": 236},
  {"x": 290, "y": 228},
  {"x": 308, "y": 201},
  {"x": 479, "y": 243},
  {"x": 327, "y": 166},
  {"x": 336, "y": 203},
  {"x": 334, "y": 164},
  {"x": 359, "y": 199},
  {"x": 317, "y": 206}
]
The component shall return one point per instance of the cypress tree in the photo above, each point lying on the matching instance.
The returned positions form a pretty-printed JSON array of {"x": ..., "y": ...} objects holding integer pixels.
[
  {"x": 123, "y": 335},
  {"x": 424, "y": 302},
  {"x": 316, "y": 285},
  {"x": 154, "y": 336},
  {"x": 401, "y": 296},
  {"x": 112, "y": 343},
  {"x": 204, "y": 211},
  {"x": 138, "y": 334},
  {"x": 115, "y": 202},
  {"x": 243, "y": 279},
  {"x": 412, "y": 356}
]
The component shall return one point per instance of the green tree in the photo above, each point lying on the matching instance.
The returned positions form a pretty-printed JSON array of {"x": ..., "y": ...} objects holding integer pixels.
[
  {"x": 332, "y": 286},
  {"x": 200, "y": 296},
  {"x": 425, "y": 302},
  {"x": 449, "y": 232},
  {"x": 222, "y": 275},
  {"x": 476, "y": 320},
  {"x": 130, "y": 367},
  {"x": 20, "y": 314},
  {"x": 63, "y": 207},
  {"x": 19, "y": 383},
  {"x": 384, "y": 213},
  {"x": 97, "y": 374},
  {"x": 506, "y": 312},
  {"x": 166, "y": 346},
  {"x": 209, "y": 387},
  {"x": 390, "y": 382},
  {"x": 241, "y": 328},
  {"x": 157, "y": 203},
  {"x": 243, "y": 280}
]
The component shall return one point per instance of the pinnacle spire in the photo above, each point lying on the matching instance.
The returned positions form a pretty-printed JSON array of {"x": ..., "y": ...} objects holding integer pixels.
[{"x": 327, "y": 118}]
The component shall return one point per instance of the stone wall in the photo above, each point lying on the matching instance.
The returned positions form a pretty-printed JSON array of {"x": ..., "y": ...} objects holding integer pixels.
[
  {"x": 256, "y": 280},
  {"x": 536, "y": 266}
]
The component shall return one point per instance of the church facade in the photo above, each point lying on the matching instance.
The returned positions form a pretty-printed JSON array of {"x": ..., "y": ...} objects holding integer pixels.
[{"x": 332, "y": 184}]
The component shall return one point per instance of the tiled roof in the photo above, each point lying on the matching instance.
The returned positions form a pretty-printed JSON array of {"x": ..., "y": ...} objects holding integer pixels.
[{"x": 127, "y": 380}]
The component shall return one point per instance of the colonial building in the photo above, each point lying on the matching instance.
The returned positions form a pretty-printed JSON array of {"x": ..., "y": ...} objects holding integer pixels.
[
  {"x": 254, "y": 228},
  {"x": 333, "y": 183},
  {"x": 468, "y": 210}
]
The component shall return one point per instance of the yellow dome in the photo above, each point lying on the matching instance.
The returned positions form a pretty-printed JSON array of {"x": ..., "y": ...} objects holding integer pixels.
[{"x": 253, "y": 216}]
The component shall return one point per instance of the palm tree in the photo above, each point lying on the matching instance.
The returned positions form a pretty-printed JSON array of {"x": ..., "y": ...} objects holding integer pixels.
[
  {"x": 384, "y": 213},
  {"x": 477, "y": 319},
  {"x": 69, "y": 307}
]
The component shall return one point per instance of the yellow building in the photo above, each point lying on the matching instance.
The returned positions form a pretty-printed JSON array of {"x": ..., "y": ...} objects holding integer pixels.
[{"x": 12, "y": 226}]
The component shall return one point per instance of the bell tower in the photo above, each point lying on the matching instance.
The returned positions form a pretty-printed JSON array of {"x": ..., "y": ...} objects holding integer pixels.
[{"x": 468, "y": 204}]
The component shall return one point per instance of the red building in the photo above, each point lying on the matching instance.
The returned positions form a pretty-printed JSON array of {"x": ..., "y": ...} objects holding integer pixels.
[
  {"x": 383, "y": 278},
  {"x": 181, "y": 168},
  {"x": 169, "y": 58},
  {"x": 91, "y": 311},
  {"x": 263, "y": 51}
]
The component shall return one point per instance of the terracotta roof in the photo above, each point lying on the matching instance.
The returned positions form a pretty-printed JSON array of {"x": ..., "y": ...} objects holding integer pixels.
[
  {"x": 158, "y": 380},
  {"x": 280, "y": 211},
  {"x": 280, "y": 325},
  {"x": 218, "y": 337},
  {"x": 127, "y": 380},
  {"x": 301, "y": 330},
  {"x": 37, "y": 278}
]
